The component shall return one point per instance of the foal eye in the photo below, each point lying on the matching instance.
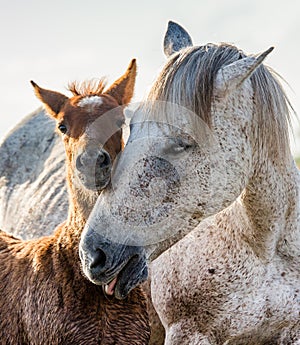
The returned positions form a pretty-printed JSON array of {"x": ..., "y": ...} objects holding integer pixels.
[
  {"x": 62, "y": 128},
  {"x": 120, "y": 122}
]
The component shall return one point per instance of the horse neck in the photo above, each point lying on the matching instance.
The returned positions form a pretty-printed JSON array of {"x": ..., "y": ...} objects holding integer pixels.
[{"x": 272, "y": 206}]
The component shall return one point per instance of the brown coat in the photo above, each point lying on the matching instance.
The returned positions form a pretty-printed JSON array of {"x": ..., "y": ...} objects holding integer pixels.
[{"x": 46, "y": 300}]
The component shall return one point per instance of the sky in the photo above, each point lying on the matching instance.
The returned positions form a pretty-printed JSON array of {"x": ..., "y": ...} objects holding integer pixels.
[{"x": 58, "y": 41}]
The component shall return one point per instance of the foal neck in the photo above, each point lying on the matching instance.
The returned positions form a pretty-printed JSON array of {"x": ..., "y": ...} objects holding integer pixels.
[{"x": 81, "y": 202}]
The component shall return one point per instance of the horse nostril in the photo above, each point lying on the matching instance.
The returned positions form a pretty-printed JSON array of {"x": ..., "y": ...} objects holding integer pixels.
[
  {"x": 98, "y": 259},
  {"x": 103, "y": 159}
]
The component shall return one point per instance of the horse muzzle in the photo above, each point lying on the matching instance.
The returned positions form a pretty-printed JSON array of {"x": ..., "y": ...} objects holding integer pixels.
[{"x": 117, "y": 267}]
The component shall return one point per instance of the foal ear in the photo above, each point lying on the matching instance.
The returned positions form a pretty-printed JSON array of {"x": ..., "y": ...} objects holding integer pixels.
[
  {"x": 122, "y": 89},
  {"x": 230, "y": 77},
  {"x": 175, "y": 39},
  {"x": 52, "y": 100}
]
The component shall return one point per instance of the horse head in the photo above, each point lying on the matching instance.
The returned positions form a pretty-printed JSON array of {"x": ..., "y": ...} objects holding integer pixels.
[{"x": 192, "y": 150}]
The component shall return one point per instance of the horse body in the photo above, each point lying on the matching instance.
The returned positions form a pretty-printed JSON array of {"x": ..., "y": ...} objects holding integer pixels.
[
  {"x": 44, "y": 296},
  {"x": 33, "y": 178},
  {"x": 231, "y": 290},
  {"x": 223, "y": 156},
  {"x": 239, "y": 283}
]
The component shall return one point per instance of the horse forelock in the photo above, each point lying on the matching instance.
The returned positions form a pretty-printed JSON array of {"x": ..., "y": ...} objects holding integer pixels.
[{"x": 187, "y": 79}]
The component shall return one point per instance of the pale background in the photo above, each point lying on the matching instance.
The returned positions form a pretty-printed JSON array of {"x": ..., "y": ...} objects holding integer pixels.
[{"x": 54, "y": 42}]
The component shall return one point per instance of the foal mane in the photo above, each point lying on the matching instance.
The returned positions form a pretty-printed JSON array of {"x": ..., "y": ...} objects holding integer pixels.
[
  {"x": 88, "y": 87},
  {"x": 188, "y": 79}
]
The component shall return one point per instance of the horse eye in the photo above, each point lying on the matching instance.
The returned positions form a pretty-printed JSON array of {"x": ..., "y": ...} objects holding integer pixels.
[
  {"x": 62, "y": 128},
  {"x": 182, "y": 145},
  {"x": 178, "y": 146}
]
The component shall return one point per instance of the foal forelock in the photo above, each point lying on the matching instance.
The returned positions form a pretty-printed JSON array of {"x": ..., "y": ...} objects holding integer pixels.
[
  {"x": 188, "y": 78},
  {"x": 87, "y": 88}
]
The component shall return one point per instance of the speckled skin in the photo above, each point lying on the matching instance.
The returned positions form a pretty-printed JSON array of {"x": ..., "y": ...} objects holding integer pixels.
[
  {"x": 230, "y": 287},
  {"x": 235, "y": 279},
  {"x": 32, "y": 178}
]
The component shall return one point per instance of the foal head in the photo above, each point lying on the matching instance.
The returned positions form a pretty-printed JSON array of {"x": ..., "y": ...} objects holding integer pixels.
[{"x": 90, "y": 123}]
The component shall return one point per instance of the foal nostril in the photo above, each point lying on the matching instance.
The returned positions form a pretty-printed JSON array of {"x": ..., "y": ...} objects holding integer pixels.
[
  {"x": 98, "y": 259},
  {"x": 103, "y": 159},
  {"x": 79, "y": 163},
  {"x": 88, "y": 159}
]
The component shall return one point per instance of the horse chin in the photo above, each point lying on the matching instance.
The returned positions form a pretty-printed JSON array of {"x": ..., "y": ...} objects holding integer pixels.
[
  {"x": 127, "y": 279},
  {"x": 117, "y": 267},
  {"x": 100, "y": 185},
  {"x": 124, "y": 284}
]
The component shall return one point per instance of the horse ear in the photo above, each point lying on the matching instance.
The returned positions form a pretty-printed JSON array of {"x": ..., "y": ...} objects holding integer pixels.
[
  {"x": 175, "y": 39},
  {"x": 230, "y": 77},
  {"x": 52, "y": 100},
  {"x": 122, "y": 89}
]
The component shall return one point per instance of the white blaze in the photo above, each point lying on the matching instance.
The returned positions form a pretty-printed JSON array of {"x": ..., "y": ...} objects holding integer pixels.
[{"x": 90, "y": 101}]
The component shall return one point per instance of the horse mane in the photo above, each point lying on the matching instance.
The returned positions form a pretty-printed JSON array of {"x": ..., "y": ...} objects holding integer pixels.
[
  {"x": 87, "y": 88},
  {"x": 187, "y": 79}
]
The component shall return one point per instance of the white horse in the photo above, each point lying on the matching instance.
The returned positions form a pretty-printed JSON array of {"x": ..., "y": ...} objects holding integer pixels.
[
  {"x": 32, "y": 178},
  {"x": 210, "y": 144}
]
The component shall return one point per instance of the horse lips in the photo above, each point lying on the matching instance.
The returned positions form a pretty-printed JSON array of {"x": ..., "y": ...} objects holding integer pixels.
[{"x": 109, "y": 288}]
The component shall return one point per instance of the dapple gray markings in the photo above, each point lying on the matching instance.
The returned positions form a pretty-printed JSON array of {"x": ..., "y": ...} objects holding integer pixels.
[
  {"x": 33, "y": 183},
  {"x": 251, "y": 240}
]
